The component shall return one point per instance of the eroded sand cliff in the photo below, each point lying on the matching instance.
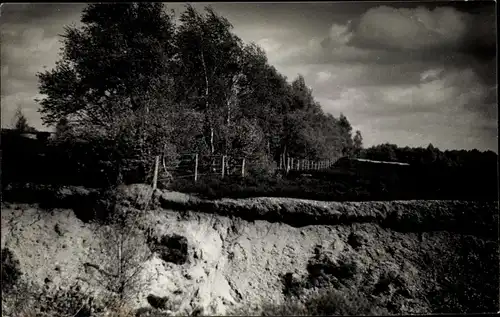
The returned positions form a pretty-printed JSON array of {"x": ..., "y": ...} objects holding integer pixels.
[{"x": 242, "y": 253}]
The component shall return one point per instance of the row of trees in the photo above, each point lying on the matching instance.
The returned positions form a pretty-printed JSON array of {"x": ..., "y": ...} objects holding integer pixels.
[
  {"x": 137, "y": 83},
  {"x": 432, "y": 156}
]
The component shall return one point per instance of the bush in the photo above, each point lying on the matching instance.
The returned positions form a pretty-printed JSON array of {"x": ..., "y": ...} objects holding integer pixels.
[
  {"x": 326, "y": 302},
  {"x": 334, "y": 302},
  {"x": 32, "y": 300},
  {"x": 11, "y": 272}
]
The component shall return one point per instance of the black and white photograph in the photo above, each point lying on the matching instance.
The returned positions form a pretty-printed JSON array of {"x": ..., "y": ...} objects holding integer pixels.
[{"x": 249, "y": 158}]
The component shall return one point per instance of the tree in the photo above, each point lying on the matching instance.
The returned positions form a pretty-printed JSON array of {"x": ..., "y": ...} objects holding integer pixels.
[
  {"x": 302, "y": 98},
  {"x": 346, "y": 135},
  {"x": 209, "y": 73},
  {"x": 21, "y": 122},
  {"x": 113, "y": 82},
  {"x": 264, "y": 96},
  {"x": 122, "y": 256},
  {"x": 357, "y": 143}
]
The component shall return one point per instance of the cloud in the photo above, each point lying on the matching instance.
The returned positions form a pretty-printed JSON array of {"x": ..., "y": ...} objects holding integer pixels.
[
  {"x": 444, "y": 28},
  {"x": 444, "y": 107},
  {"x": 431, "y": 74},
  {"x": 269, "y": 45},
  {"x": 388, "y": 36},
  {"x": 323, "y": 76},
  {"x": 410, "y": 29},
  {"x": 30, "y": 42}
]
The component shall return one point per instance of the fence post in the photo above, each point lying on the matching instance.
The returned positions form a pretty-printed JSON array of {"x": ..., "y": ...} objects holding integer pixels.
[
  {"x": 195, "y": 167},
  {"x": 155, "y": 175},
  {"x": 223, "y": 159}
]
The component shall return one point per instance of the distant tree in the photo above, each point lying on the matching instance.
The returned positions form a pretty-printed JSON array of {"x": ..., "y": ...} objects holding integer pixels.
[
  {"x": 21, "y": 122},
  {"x": 346, "y": 135},
  {"x": 357, "y": 143},
  {"x": 431, "y": 154}
]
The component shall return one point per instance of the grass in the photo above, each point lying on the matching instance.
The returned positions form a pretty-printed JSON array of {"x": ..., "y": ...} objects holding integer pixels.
[{"x": 346, "y": 185}]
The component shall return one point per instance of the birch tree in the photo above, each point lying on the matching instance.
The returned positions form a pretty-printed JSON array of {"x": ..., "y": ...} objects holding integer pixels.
[{"x": 209, "y": 70}]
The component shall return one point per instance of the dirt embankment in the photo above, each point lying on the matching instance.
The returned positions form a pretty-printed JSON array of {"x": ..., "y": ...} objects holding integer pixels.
[{"x": 405, "y": 257}]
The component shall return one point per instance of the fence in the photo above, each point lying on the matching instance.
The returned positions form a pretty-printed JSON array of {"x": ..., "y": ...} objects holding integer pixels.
[
  {"x": 194, "y": 166},
  {"x": 294, "y": 164}
]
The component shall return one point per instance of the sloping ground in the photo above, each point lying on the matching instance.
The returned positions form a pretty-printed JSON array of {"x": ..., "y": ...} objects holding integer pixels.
[{"x": 405, "y": 257}]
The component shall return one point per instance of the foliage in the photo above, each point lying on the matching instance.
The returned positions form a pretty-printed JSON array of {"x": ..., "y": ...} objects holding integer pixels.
[
  {"x": 326, "y": 302},
  {"x": 112, "y": 84},
  {"x": 11, "y": 272},
  {"x": 123, "y": 252},
  {"x": 357, "y": 144},
  {"x": 194, "y": 86},
  {"x": 430, "y": 156},
  {"x": 21, "y": 124},
  {"x": 34, "y": 300}
]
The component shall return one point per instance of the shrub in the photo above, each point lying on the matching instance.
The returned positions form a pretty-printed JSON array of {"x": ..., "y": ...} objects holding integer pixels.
[
  {"x": 335, "y": 302},
  {"x": 32, "y": 300},
  {"x": 11, "y": 272},
  {"x": 323, "y": 303}
]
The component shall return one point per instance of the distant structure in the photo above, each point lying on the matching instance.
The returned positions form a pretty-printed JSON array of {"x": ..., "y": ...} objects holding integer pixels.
[
  {"x": 380, "y": 162},
  {"x": 36, "y": 135},
  {"x": 347, "y": 162}
]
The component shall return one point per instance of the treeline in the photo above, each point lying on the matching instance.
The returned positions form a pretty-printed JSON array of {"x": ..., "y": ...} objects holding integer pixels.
[
  {"x": 432, "y": 156},
  {"x": 134, "y": 82}
]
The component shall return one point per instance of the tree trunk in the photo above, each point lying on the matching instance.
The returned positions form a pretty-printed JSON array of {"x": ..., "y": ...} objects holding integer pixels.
[
  {"x": 207, "y": 105},
  {"x": 212, "y": 149}
]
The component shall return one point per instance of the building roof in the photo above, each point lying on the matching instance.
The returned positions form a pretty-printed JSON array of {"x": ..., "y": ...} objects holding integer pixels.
[{"x": 380, "y": 162}]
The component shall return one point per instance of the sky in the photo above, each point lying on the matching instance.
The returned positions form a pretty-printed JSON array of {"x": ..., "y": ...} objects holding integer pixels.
[{"x": 408, "y": 73}]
